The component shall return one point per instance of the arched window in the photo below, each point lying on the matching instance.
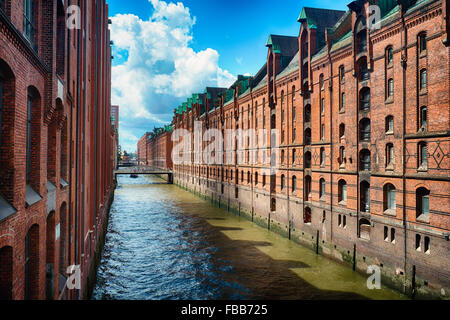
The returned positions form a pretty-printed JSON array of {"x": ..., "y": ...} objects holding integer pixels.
[
  {"x": 365, "y": 196},
  {"x": 294, "y": 183},
  {"x": 282, "y": 182},
  {"x": 264, "y": 180},
  {"x": 364, "y": 129},
  {"x": 363, "y": 70},
  {"x": 423, "y": 204},
  {"x": 418, "y": 242},
  {"x": 341, "y": 131},
  {"x": 242, "y": 176},
  {"x": 342, "y": 190},
  {"x": 422, "y": 42},
  {"x": 423, "y": 117},
  {"x": 308, "y": 113},
  {"x": 342, "y": 105},
  {"x": 389, "y": 124},
  {"x": 364, "y": 157},
  {"x": 293, "y": 98},
  {"x": 364, "y": 229},
  {"x": 307, "y": 188},
  {"x": 390, "y": 88},
  {"x": 6, "y": 271},
  {"x": 361, "y": 35},
  {"x": 321, "y": 188},
  {"x": 294, "y": 156},
  {"x": 282, "y": 157},
  {"x": 322, "y": 157},
  {"x": 308, "y": 136},
  {"x": 273, "y": 205},
  {"x": 364, "y": 99},
  {"x": 389, "y": 55},
  {"x": 256, "y": 178},
  {"x": 249, "y": 178},
  {"x": 307, "y": 159},
  {"x": 389, "y": 193},
  {"x": 33, "y": 137},
  {"x": 342, "y": 159},
  {"x": 321, "y": 82},
  {"x": 423, "y": 79},
  {"x": 32, "y": 264},
  {"x": 307, "y": 215},
  {"x": 29, "y": 21},
  {"x": 423, "y": 157},
  {"x": 282, "y": 106},
  {"x": 342, "y": 73},
  {"x": 389, "y": 154}
]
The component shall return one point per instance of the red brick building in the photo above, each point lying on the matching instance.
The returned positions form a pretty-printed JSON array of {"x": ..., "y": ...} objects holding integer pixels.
[
  {"x": 362, "y": 146},
  {"x": 142, "y": 157},
  {"x": 56, "y": 144},
  {"x": 155, "y": 148}
]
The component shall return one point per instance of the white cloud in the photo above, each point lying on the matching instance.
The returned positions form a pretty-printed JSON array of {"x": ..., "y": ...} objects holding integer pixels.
[{"x": 159, "y": 69}]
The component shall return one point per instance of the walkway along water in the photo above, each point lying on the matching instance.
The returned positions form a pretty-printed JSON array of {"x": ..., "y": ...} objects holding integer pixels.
[{"x": 166, "y": 243}]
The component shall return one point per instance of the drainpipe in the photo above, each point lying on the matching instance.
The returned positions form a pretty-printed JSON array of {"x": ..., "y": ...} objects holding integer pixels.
[
  {"x": 404, "y": 66},
  {"x": 288, "y": 136}
]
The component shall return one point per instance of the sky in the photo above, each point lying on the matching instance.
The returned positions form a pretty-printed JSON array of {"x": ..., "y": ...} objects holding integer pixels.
[{"x": 164, "y": 51}]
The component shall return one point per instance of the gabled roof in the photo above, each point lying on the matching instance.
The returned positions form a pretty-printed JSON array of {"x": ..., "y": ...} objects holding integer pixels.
[
  {"x": 284, "y": 45},
  {"x": 320, "y": 18}
]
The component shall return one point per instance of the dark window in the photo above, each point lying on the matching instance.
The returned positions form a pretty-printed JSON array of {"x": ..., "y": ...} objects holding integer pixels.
[
  {"x": 364, "y": 99},
  {"x": 362, "y": 41},
  {"x": 322, "y": 188},
  {"x": 308, "y": 159},
  {"x": 422, "y": 203},
  {"x": 389, "y": 124},
  {"x": 307, "y": 215},
  {"x": 256, "y": 178},
  {"x": 294, "y": 156},
  {"x": 423, "y": 117},
  {"x": 294, "y": 183},
  {"x": 390, "y": 92},
  {"x": 342, "y": 186},
  {"x": 365, "y": 196},
  {"x": 423, "y": 79},
  {"x": 389, "y": 197},
  {"x": 322, "y": 157},
  {"x": 341, "y": 131},
  {"x": 422, "y": 43},
  {"x": 426, "y": 245},
  {"x": 363, "y": 70},
  {"x": 29, "y": 28},
  {"x": 418, "y": 242},
  {"x": 389, "y": 55},
  {"x": 386, "y": 233},
  {"x": 264, "y": 180},
  {"x": 423, "y": 157},
  {"x": 308, "y": 136},
  {"x": 342, "y": 73},
  {"x": 307, "y": 188},
  {"x": 365, "y": 159},
  {"x": 1, "y": 109},
  {"x": 321, "y": 82},
  {"x": 29, "y": 136},
  {"x": 342, "y": 100},
  {"x": 282, "y": 181},
  {"x": 389, "y": 154},
  {"x": 365, "y": 129},
  {"x": 392, "y": 235},
  {"x": 308, "y": 113}
]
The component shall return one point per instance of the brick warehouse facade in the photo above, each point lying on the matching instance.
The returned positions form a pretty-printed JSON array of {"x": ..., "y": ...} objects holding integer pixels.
[
  {"x": 56, "y": 144},
  {"x": 363, "y": 141},
  {"x": 154, "y": 149}
]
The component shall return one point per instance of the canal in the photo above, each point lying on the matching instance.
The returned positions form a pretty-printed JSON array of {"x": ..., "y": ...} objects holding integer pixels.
[{"x": 165, "y": 243}]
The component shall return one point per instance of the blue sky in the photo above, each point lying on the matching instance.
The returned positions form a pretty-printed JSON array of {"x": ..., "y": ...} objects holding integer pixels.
[{"x": 156, "y": 43}]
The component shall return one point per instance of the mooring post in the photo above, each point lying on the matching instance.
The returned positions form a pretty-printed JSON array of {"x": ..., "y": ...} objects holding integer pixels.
[
  {"x": 317, "y": 242},
  {"x": 354, "y": 257}
]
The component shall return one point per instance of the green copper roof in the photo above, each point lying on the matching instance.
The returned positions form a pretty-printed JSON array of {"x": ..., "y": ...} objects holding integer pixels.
[{"x": 303, "y": 17}]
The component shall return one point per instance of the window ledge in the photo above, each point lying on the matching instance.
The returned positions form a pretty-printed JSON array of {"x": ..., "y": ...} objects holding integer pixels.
[
  {"x": 389, "y": 133},
  {"x": 389, "y": 100},
  {"x": 390, "y": 167},
  {"x": 343, "y": 203},
  {"x": 423, "y": 218},
  {"x": 423, "y": 92},
  {"x": 390, "y": 212},
  {"x": 422, "y": 170}
]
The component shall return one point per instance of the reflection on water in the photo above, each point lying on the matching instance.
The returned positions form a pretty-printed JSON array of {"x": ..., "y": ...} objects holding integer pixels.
[{"x": 165, "y": 243}]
